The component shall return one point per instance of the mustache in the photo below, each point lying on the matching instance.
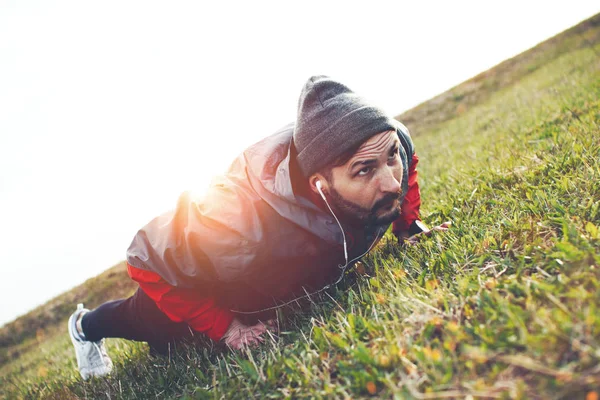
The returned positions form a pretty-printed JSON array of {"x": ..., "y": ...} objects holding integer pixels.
[{"x": 386, "y": 200}]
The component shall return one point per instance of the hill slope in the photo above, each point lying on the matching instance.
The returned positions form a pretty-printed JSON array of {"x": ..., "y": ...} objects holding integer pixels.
[{"x": 503, "y": 305}]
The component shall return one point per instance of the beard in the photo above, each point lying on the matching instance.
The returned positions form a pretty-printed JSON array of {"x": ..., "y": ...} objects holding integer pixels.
[{"x": 385, "y": 211}]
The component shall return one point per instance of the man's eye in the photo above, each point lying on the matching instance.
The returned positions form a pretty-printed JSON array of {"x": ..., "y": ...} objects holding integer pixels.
[
  {"x": 394, "y": 153},
  {"x": 364, "y": 171}
]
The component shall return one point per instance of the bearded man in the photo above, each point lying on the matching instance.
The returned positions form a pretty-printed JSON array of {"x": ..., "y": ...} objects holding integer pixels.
[{"x": 286, "y": 220}]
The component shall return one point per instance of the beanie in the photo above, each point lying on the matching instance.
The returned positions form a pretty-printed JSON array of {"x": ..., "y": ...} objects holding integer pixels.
[{"x": 332, "y": 120}]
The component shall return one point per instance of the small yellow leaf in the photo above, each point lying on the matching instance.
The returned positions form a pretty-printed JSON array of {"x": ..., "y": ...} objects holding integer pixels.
[
  {"x": 432, "y": 284},
  {"x": 399, "y": 273},
  {"x": 592, "y": 230},
  {"x": 468, "y": 311},
  {"x": 427, "y": 352},
  {"x": 491, "y": 283},
  {"x": 452, "y": 326},
  {"x": 384, "y": 361}
]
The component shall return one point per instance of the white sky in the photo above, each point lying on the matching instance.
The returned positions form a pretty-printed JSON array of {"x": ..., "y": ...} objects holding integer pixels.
[{"x": 109, "y": 110}]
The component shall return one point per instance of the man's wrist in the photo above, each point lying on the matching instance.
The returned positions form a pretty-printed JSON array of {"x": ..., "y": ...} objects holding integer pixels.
[{"x": 416, "y": 227}]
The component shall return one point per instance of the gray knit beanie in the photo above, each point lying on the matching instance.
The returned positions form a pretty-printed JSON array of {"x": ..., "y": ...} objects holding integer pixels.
[{"x": 332, "y": 120}]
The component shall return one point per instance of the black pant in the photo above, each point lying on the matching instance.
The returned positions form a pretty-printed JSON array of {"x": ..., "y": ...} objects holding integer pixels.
[{"x": 136, "y": 318}]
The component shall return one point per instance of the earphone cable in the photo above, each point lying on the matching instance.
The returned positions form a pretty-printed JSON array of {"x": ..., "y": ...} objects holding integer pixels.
[{"x": 343, "y": 268}]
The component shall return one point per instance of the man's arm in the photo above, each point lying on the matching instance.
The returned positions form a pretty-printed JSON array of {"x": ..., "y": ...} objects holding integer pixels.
[
  {"x": 405, "y": 225},
  {"x": 408, "y": 228}
]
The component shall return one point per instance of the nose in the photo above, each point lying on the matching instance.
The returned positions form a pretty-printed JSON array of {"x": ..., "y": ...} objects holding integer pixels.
[{"x": 388, "y": 182}]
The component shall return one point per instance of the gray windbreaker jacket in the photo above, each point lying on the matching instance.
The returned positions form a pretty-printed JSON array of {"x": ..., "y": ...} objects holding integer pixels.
[{"x": 251, "y": 241}]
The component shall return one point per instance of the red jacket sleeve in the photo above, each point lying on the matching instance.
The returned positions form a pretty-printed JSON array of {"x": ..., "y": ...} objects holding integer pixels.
[
  {"x": 183, "y": 304},
  {"x": 412, "y": 201}
]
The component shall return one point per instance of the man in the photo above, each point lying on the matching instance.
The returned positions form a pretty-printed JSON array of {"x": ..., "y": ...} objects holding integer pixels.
[{"x": 291, "y": 214}]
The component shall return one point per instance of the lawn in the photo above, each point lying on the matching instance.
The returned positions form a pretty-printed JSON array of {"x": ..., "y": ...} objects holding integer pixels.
[{"x": 504, "y": 305}]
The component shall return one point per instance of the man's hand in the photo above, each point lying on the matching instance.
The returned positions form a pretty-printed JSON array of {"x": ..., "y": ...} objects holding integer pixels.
[
  {"x": 239, "y": 335},
  {"x": 404, "y": 238}
]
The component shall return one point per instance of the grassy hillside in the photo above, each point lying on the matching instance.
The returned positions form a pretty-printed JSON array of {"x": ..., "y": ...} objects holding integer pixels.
[{"x": 504, "y": 305}]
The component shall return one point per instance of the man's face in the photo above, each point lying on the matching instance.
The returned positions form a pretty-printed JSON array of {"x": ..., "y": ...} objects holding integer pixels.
[{"x": 366, "y": 190}]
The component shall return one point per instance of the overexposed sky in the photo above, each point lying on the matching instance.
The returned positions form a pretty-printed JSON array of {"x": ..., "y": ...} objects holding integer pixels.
[{"x": 109, "y": 110}]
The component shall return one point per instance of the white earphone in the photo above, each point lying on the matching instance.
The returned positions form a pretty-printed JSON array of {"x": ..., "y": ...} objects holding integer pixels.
[{"x": 319, "y": 186}]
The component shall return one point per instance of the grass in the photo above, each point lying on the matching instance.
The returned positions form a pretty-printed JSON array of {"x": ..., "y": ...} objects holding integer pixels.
[{"x": 504, "y": 305}]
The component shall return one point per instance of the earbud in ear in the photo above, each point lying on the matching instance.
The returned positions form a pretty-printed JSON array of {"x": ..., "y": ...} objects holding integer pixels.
[{"x": 319, "y": 189}]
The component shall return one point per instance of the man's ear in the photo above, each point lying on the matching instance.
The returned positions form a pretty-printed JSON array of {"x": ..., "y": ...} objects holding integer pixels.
[{"x": 312, "y": 182}]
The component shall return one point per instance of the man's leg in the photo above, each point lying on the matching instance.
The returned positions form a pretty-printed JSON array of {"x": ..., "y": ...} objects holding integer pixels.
[{"x": 136, "y": 318}]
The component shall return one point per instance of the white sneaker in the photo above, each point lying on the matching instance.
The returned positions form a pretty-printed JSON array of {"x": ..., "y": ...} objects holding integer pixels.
[{"x": 92, "y": 358}]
